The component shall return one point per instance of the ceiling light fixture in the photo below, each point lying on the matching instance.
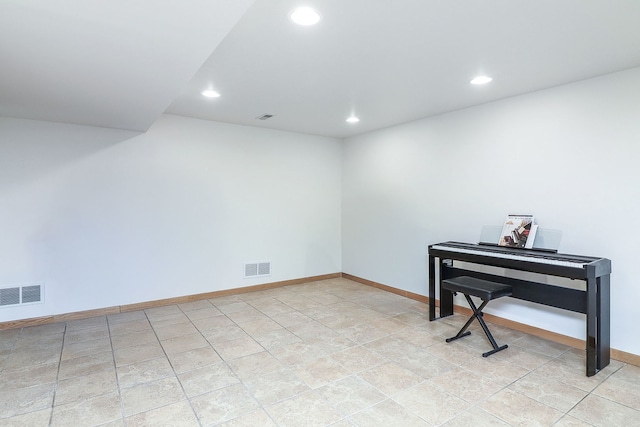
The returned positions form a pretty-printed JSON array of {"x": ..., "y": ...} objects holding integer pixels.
[
  {"x": 353, "y": 119},
  {"x": 481, "y": 80},
  {"x": 304, "y": 16},
  {"x": 210, "y": 93}
]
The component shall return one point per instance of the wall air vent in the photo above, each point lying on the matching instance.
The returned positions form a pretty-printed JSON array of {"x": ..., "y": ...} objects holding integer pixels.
[
  {"x": 20, "y": 295},
  {"x": 257, "y": 269},
  {"x": 265, "y": 116}
]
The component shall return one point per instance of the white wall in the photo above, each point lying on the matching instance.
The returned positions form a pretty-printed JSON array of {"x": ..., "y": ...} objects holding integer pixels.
[
  {"x": 104, "y": 217},
  {"x": 568, "y": 155}
]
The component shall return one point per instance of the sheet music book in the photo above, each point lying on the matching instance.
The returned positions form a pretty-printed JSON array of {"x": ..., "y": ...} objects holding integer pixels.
[{"x": 517, "y": 231}]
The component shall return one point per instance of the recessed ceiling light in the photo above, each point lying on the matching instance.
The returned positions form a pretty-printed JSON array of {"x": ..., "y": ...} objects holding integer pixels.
[
  {"x": 481, "y": 80},
  {"x": 210, "y": 93},
  {"x": 304, "y": 16},
  {"x": 353, "y": 119}
]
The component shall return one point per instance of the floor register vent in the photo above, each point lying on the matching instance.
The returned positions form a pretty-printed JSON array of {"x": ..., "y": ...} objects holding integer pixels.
[
  {"x": 20, "y": 295},
  {"x": 257, "y": 269}
]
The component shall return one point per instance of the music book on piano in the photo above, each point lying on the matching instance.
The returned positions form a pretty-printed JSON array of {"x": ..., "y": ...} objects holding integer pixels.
[{"x": 518, "y": 231}]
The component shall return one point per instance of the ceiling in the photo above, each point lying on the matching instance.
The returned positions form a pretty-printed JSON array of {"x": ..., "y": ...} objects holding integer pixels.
[{"x": 123, "y": 63}]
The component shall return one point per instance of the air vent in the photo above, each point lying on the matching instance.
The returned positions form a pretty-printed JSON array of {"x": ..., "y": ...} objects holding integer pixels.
[
  {"x": 20, "y": 295},
  {"x": 257, "y": 269},
  {"x": 265, "y": 116}
]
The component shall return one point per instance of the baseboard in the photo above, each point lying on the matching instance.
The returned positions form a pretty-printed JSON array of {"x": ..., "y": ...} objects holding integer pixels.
[
  {"x": 393, "y": 290},
  {"x": 78, "y": 315},
  {"x": 622, "y": 356}
]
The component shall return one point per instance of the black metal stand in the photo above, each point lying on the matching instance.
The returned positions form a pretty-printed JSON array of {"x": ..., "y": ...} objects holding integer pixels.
[{"x": 477, "y": 314}]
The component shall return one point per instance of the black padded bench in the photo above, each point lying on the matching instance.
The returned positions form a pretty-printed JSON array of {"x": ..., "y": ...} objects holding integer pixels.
[{"x": 483, "y": 289}]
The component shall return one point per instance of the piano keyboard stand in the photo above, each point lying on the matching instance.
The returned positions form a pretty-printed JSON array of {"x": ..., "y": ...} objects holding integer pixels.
[{"x": 485, "y": 290}]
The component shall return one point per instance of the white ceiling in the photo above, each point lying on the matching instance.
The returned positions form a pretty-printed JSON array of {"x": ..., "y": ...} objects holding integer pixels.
[{"x": 123, "y": 63}]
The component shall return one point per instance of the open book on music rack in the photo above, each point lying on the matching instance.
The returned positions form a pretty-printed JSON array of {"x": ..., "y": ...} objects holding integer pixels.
[{"x": 518, "y": 231}]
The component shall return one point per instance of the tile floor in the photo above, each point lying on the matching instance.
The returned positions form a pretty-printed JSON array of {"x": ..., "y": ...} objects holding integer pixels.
[{"x": 333, "y": 352}]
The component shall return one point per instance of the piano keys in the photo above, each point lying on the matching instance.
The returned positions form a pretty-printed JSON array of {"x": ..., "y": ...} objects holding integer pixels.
[{"x": 593, "y": 302}]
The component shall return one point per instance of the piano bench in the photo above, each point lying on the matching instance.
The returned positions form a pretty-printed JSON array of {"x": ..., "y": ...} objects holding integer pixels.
[{"x": 483, "y": 289}]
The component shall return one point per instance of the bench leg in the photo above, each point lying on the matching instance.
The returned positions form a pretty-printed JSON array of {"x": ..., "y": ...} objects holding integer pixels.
[{"x": 477, "y": 314}]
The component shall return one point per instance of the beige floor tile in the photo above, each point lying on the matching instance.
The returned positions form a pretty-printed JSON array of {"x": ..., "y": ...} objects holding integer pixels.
[
  {"x": 138, "y": 353},
  {"x": 80, "y": 335},
  {"x": 224, "y": 404},
  {"x": 622, "y": 387},
  {"x": 362, "y": 333},
  {"x": 414, "y": 318},
  {"x": 524, "y": 358},
  {"x": 552, "y": 392},
  {"x": 206, "y": 379},
  {"x": 454, "y": 352},
  {"x": 124, "y": 317},
  {"x": 234, "y": 306},
  {"x": 247, "y": 316},
  {"x": 254, "y": 374},
  {"x": 211, "y": 323},
  {"x": 387, "y": 414},
  {"x": 271, "y": 307},
  {"x": 275, "y": 338},
  {"x": 418, "y": 337},
  {"x": 330, "y": 343},
  {"x": 152, "y": 395},
  {"x": 391, "y": 347},
  {"x": 143, "y": 372},
  {"x": 320, "y": 371},
  {"x": 390, "y": 378},
  {"x": 184, "y": 343},
  {"x": 129, "y": 327},
  {"x": 425, "y": 364},
  {"x": 569, "y": 421},
  {"x": 97, "y": 322},
  {"x": 357, "y": 359},
  {"x": 518, "y": 409},
  {"x": 572, "y": 374},
  {"x": 431, "y": 403},
  {"x": 195, "y": 306},
  {"x": 236, "y": 348},
  {"x": 26, "y": 356},
  {"x": 350, "y": 395},
  {"x": 296, "y": 353},
  {"x": 24, "y": 400},
  {"x": 308, "y": 409},
  {"x": 86, "y": 348},
  {"x": 194, "y": 359},
  {"x": 497, "y": 370},
  {"x": 475, "y": 417},
  {"x": 146, "y": 336},
  {"x": 602, "y": 412},
  {"x": 275, "y": 386},
  {"x": 311, "y": 329},
  {"x": 86, "y": 387},
  {"x": 467, "y": 385},
  {"x": 254, "y": 365},
  {"x": 163, "y": 311},
  {"x": 31, "y": 419},
  {"x": 225, "y": 300},
  {"x": 222, "y": 334},
  {"x": 174, "y": 330},
  {"x": 177, "y": 414},
  {"x": 203, "y": 313},
  {"x": 85, "y": 365},
  {"x": 28, "y": 376},
  {"x": 259, "y": 326},
  {"x": 540, "y": 345},
  {"x": 90, "y": 412},
  {"x": 252, "y": 419},
  {"x": 290, "y": 319}
]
